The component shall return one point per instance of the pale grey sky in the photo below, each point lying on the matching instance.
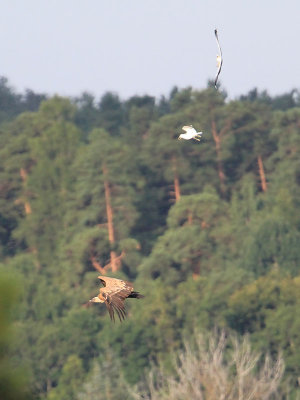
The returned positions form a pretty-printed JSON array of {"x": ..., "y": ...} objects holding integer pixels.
[{"x": 148, "y": 46}]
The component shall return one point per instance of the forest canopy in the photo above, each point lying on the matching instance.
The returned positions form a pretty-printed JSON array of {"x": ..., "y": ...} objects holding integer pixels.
[{"x": 208, "y": 231}]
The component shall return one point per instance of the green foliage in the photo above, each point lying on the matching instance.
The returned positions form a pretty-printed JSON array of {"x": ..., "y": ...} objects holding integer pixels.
[
  {"x": 274, "y": 243},
  {"x": 13, "y": 103},
  {"x": 189, "y": 243},
  {"x": 267, "y": 308},
  {"x": 105, "y": 381},
  {"x": 42, "y": 153},
  {"x": 207, "y": 231},
  {"x": 12, "y": 380},
  {"x": 69, "y": 380}
]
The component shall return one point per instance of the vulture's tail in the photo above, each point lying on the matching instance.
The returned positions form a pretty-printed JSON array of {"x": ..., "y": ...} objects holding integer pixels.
[{"x": 136, "y": 295}]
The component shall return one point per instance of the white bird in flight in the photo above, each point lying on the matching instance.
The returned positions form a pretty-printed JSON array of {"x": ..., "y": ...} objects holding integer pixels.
[
  {"x": 219, "y": 59},
  {"x": 191, "y": 133}
]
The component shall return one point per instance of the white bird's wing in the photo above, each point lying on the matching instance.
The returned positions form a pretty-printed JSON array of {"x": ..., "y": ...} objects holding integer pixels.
[
  {"x": 219, "y": 58},
  {"x": 189, "y": 129}
]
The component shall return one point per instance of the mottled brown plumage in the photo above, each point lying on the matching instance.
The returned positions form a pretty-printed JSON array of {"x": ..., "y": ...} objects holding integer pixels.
[{"x": 113, "y": 294}]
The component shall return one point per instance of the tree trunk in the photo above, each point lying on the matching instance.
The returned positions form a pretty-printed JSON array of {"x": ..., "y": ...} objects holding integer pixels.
[
  {"x": 97, "y": 265},
  {"x": 217, "y": 139},
  {"x": 262, "y": 174},
  {"x": 176, "y": 180},
  {"x": 109, "y": 212},
  {"x": 176, "y": 188},
  {"x": 28, "y": 211},
  {"x": 103, "y": 270},
  {"x": 24, "y": 177},
  {"x": 37, "y": 263}
]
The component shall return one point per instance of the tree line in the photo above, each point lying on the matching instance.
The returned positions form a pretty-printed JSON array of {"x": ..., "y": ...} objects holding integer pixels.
[{"x": 209, "y": 231}]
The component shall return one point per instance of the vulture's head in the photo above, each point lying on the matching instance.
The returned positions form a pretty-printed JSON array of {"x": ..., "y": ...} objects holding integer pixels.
[{"x": 96, "y": 300}]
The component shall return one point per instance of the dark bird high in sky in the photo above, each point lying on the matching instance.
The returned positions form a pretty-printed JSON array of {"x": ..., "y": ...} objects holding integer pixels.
[{"x": 219, "y": 59}]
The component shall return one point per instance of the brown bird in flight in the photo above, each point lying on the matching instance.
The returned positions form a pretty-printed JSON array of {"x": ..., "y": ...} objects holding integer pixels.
[{"x": 113, "y": 294}]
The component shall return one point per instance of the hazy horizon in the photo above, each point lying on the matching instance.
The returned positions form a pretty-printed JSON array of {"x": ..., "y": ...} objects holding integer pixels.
[{"x": 148, "y": 48}]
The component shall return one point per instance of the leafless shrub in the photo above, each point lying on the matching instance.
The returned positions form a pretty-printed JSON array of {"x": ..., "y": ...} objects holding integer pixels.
[{"x": 219, "y": 368}]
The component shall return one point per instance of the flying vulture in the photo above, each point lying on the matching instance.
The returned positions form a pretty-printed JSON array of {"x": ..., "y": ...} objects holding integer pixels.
[
  {"x": 113, "y": 294},
  {"x": 191, "y": 133},
  {"x": 219, "y": 59}
]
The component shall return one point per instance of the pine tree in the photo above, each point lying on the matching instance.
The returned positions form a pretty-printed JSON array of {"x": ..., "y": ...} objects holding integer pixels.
[
  {"x": 187, "y": 247},
  {"x": 103, "y": 211},
  {"x": 50, "y": 178}
]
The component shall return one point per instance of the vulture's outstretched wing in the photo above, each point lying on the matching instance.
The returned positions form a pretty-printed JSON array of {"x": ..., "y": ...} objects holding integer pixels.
[
  {"x": 219, "y": 59},
  {"x": 114, "y": 293},
  {"x": 115, "y": 303}
]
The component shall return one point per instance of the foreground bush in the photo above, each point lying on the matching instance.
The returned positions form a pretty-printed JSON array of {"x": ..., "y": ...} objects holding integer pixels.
[{"x": 216, "y": 369}]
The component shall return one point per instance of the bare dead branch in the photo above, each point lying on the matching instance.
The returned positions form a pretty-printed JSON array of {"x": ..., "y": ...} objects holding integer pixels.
[{"x": 208, "y": 370}]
